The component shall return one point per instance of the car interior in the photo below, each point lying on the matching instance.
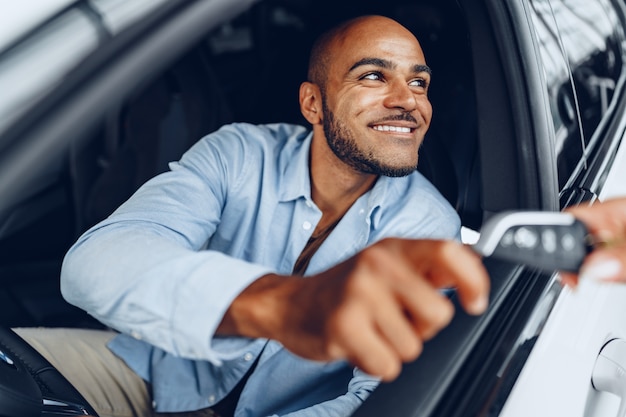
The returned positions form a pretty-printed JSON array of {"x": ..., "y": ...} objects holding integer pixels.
[{"x": 248, "y": 70}]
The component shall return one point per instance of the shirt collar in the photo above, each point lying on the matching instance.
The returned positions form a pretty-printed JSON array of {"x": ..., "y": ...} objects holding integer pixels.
[
  {"x": 295, "y": 165},
  {"x": 376, "y": 199},
  {"x": 298, "y": 181}
]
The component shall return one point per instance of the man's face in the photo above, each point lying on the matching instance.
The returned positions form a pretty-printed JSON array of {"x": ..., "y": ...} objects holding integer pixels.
[{"x": 375, "y": 107}]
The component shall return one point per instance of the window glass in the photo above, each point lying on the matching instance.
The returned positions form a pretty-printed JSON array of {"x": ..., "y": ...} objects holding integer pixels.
[
  {"x": 119, "y": 14},
  {"x": 38, "y": 64},
  {"x": 569, "y": 147},
  {"x": 592, "y": 41},
  {"x": 18, "y": 17},
  {"x": 580, "y": 44}
]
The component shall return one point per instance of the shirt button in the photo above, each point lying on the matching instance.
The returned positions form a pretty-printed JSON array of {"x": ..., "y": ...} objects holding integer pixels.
[
  {"x": 136, "y": 335},
  {"x": 154, "y": 404},
  {"x": 211, "y": 398},
  {"x": 362, "y": 211},
  {"x": 306, "y": 225},
  {"x": 248, "y": 357},
  {"x": 308, "y": 204}
]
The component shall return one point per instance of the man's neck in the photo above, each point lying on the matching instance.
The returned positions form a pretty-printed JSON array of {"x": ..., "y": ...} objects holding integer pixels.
[{"x": 334, "y": 185}]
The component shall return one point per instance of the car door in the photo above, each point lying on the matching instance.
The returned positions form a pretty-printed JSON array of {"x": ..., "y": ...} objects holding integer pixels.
[
  {"x": 514, "y": 110},
  {"x": 64, "y": 85},
  {"x": 470, "y": 367},
  {"x": 587, "y": 40},
  {"x": 544, "y": 145},
  {"x": 71, "y": 65}
]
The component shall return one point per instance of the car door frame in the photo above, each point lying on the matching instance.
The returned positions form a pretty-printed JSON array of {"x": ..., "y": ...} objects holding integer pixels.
[{"x": 473, "y": 363}]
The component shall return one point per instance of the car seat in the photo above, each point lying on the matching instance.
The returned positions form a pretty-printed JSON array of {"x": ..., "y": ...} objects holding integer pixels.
[
  {"x": 449, "y": 156},
  {"x": 138, "y": 139}
]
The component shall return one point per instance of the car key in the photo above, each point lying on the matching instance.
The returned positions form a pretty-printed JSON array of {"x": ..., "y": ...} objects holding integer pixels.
[{"x": 546, "y": 240}]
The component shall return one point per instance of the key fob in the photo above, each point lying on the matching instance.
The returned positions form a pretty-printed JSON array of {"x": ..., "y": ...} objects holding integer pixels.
[{"x": 546, "y": 240}]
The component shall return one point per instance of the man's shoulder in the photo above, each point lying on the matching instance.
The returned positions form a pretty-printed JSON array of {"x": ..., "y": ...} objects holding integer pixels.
[
  {"x": 263, "y": 132},
  {"x": 414, "y": 201},
  {"x": 417, "y": 187},
  {"x": 242, "y": 137}
]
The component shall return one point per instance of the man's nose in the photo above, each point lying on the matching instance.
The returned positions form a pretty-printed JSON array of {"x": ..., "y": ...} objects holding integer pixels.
[{"x": 400, "y": 96}]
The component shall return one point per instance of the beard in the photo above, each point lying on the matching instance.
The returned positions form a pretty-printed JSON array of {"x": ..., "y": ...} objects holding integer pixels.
[{"x": 343, "y": 143}]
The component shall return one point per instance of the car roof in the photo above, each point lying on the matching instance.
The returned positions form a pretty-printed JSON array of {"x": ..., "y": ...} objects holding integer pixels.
[{"x": 17, "y": 18}]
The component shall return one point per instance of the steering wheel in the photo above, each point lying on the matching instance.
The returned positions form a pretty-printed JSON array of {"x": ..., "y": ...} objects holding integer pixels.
[{"x": 30, "y": 386}]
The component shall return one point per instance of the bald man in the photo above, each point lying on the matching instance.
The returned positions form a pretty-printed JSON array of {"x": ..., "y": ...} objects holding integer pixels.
[{"x": 276, "y": 270}]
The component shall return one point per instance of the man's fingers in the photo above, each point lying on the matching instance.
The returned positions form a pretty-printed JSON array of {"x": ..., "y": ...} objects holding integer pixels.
[
  {"x": 455, "y": 265},
  {"x": 364, "y": 345},
  {"x": 472, "y": 281},
  {"x": 428, "y": 309},
  {"x": 396, "y": 329},
  {"x": 416, "y": 299},
  {"x": 378, "y": 360}
]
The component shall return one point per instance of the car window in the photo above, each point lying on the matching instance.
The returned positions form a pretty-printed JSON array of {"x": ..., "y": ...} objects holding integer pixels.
[
  {"x": 562, "y": 100},
  {"x": 580, "y": 47},
  {"x": 58, "y": 47},
  {"x": 119, "y": 14},
  {"x": 16, "y": 20},
  {"x": 592, "y": 41}
]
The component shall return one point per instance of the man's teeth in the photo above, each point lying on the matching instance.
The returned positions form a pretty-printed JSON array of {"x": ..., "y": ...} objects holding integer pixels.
[{"x": 385, "y": 128}]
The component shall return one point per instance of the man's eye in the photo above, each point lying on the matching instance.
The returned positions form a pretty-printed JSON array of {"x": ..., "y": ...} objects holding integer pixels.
[
  {"x": 372, "y": 76},
  {"x": 419, "y": 82}
]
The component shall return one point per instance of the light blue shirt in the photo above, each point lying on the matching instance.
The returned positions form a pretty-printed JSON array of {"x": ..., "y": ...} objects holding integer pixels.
[{"x": 166, "y": 265}]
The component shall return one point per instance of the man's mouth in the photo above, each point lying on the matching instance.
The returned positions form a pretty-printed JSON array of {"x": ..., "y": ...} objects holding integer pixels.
[
  {"x": 404, "y": 123},
  {"x": 390, "y": 128}
]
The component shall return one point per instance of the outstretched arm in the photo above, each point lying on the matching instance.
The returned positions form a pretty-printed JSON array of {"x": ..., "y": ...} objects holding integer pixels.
[{"x": 375, "y": 309}]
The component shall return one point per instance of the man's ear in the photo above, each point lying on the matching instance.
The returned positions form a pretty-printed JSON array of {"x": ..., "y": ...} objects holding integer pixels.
[{"x": 311, "y": 102}]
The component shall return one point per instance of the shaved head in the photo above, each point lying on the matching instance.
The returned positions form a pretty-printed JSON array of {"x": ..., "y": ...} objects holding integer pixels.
[{"x": 328, "y": 44}]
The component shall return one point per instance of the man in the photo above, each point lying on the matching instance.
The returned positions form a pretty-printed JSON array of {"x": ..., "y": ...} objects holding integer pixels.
[{"x": 201, "y": 271}]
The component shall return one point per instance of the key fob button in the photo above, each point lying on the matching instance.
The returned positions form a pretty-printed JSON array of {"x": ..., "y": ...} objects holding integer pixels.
[
  {"x": 549, "y": 240},
  {"x": 568, "y": 242},
  {"x": 526, "y": 238}
]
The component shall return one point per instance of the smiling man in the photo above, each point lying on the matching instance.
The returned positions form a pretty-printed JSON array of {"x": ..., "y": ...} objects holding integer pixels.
[
  {"x": 275, "y": 270},
  {"x": 385, "y": 92}
]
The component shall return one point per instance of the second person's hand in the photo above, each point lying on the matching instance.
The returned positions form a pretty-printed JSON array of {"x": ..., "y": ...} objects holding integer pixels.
[{"x": 606, "y": 222}]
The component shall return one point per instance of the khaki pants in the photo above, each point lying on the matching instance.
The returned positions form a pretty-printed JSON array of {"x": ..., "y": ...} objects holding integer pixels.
[{"x": 105, "y": 381}]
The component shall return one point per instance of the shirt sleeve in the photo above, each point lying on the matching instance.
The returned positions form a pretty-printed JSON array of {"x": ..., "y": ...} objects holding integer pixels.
[{"x": 143, "y": 272}]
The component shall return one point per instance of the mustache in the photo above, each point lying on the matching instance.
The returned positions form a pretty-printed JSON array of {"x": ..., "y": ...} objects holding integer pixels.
[{"x": 404, "y": 117}]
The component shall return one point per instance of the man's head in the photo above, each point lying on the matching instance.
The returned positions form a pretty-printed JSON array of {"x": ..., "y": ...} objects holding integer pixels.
[{"x": 367, "y": 95}]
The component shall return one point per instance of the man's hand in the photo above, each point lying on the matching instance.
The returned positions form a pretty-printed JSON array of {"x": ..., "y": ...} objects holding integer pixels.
[
  {"x": 375, "y": 309},
  {"x": 606, "y": 221}
]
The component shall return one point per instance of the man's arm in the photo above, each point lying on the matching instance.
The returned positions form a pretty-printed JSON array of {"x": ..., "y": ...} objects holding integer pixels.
[
  {"x": 144, "y": 271},
  {"x": 375, "y": 309}
]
